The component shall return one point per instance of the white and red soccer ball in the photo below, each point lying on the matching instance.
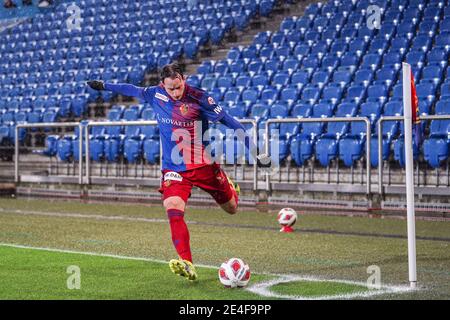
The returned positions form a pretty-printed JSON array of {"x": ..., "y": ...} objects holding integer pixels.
[
  {"x": 234, "y": 273},
  {"x": 287, "y": 218}
]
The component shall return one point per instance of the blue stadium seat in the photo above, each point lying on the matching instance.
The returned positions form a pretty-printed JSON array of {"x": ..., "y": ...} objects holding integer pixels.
[
  {"x": 151, "y": 149},
  {"x": 330, "y": 62},
  {"x": 113, "y": 148},
  {"x": 241, "y": 82},
  {"x": 260, "y": 80},
  {"x": 148, "y": 114},
  {"x": 225, "y": 81},
  {"x": 78, "y": 106},
  {"x": 288, "y": 130},
  {"x": 326, "y": 148},
  {"x": 278, "y": 111},
  {"x": 194, "y": 80},
  {"x": 436, "y": 146},
  {"x": 289, "y": 95},
  {"x": 351, "y": 149},
  {"x": 332, "y": 94},
  {"x": 399, "y": 151},
  {"x": 281, "y": 80},
  {"x": 4, "y": 133},
  {"x": 300, "y": 79},
  {"x": 310, "y": 94},
  {"x": 149, "y": 131},
  {"x": 51, "y": 145},
  {"x": 377, "y": 93},
  {"x": 371, "y": 61},
  {"x": 320, "y": 78},
  {"x": 363, "y": 77},
  {"x": 433, "y": 73},
  {"x": 232, "y": 96},
  {"x": 301, "y": 110},
  {"x": 386, "y": 76},
  {"x": 269, "y": 96},
  {"x": 259, "y": 111},
  {"x": 386, "y": 143},
  {"x": 64, "y": 148},
  {"x": 301, "y": 150},
  {"x": 250, "y": 96},
  {"x": 96, "y": 149},
  {"x": 343, "y": 78},
  {"x": 132, "y": 150},
  {"x": 355, "y": 93},
  {"x": 436, "y": 151},
  {"x": 190, "y": 48},
  {"x": 208, "y": 83}
]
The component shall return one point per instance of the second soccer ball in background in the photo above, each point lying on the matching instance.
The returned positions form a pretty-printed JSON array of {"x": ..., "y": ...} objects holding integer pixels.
[{"x": 286, "y": 218}]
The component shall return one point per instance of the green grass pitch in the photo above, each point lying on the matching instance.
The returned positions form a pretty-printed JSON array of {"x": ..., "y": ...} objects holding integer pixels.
[{"x": 323, "y": 248}]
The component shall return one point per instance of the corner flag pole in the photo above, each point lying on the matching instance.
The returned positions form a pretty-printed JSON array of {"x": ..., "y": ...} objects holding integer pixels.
[{"x": 409, "y": 175}]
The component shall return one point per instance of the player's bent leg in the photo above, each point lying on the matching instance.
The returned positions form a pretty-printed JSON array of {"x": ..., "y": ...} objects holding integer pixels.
[
  {"x": 230, "y": 206},
  {"x": 222, "y": 189}
]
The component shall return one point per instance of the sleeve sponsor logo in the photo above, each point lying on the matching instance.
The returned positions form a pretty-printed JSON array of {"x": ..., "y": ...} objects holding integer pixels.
[
  {"x": 218, "y": 109},
  {"x": 211, "y": 100},
  {"x": 161, "y": 97}
]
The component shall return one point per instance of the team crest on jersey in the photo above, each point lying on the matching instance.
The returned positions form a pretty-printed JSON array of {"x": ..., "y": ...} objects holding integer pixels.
[
  {"x": 184, "y": 109},
  {"x": 161, "y": 97},
  {"x": 211, "y": 100}
]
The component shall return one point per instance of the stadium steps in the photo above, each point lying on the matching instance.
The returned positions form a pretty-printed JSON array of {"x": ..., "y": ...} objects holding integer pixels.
[{"x": 271, "y": 23}]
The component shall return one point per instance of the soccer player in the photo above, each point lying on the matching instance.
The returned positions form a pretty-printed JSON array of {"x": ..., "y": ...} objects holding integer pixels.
[{"x": 179, "y": 106}]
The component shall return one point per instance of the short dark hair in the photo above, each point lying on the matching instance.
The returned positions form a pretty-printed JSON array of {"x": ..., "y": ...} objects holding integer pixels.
[{"x": 171, "y": 70}]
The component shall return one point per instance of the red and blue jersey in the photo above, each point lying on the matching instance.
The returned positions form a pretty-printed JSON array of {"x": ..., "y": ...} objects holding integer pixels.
[{"x": 182, "y": 123}]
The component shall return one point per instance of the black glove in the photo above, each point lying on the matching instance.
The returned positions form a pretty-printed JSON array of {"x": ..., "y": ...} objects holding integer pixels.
[
  {"x": 96, "y": 85},
  {"x": 264, "y": 160}
]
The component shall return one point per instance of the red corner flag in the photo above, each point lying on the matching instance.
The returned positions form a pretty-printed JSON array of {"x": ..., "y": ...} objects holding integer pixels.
[{"x": 415, "y": 113}]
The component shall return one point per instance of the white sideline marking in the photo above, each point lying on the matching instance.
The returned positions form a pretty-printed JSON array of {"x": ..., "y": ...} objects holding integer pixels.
[
  {"x": 87, "y": 253},
  {"x": 85, "y": 216},
  {"x": 261, "y": 289}
]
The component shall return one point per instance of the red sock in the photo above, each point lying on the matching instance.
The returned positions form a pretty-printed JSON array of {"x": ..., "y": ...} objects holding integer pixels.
[{"x": 180, "y": 233}]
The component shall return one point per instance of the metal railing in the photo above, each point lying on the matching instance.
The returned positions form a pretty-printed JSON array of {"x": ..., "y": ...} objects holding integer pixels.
[
  {"x": 336, "y": 119},
  {"x": 48, "y": 125},
  {"x": 84, "y": 131},
  {"x": 380, "y": 140},
  {"x": 154, "y": 122},
  {"x": 112, "y": 124}
]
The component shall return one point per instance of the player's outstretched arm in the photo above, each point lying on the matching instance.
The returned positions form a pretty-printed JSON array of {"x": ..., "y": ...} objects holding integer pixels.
[
  {"x": 124, "y": 89},
  {"x": 232, "y": 123},
  {"x": 214, "y": 113}
]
